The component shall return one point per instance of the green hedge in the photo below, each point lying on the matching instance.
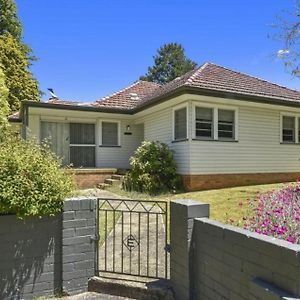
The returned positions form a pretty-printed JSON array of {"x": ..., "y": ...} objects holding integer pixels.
[
  {"x": 153, "y": 170},
  {"x": 31, "y": 180}
]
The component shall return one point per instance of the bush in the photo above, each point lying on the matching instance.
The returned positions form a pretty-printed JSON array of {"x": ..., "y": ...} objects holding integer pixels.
[
  {"x": 31, "y": 181},
  {"x": 153, "y": 170},
  {"x": 277, "y": 214}
]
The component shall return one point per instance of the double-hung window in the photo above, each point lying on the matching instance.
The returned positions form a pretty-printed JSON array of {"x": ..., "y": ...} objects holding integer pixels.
[
  {"x": 180, "y": 124},
  {"x": 288, "y": 133},
  {"x": 110, "y": 134},
  {"x": 226, "y": 124},
  {"x": 204, "y": 123}
]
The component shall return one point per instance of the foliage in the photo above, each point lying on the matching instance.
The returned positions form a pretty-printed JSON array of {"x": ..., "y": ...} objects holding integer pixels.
[
  {"x": 9, "y": 21},
  {"x": 153, "y": 169},
  {"x": 31, "y": 181},
  {"x": 277, "y": 214},
  {"x": 4, "y": 107},
  {"x": 19, "y": 80},
  {"x": 288, "y": 27},
  {"x": 170, "y": 62}
]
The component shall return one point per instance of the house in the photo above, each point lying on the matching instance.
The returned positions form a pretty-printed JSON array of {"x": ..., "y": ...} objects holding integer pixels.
[{"x": 225, "y": 128}]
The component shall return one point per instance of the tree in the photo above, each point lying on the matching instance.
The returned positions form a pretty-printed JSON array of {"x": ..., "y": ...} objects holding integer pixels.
[
  {"x": 289, "y": 33},
  {"x": 9, "y": 21},
  {"x": 16, "y": 58},
  {"x": 19, "y": 80},
  {"x": 4, "y": 107},
  {"x": 170, "y": 62}
]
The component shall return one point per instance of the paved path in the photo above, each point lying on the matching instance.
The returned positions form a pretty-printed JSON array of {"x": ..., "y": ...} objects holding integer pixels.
[{"x": 93, "y": 296}]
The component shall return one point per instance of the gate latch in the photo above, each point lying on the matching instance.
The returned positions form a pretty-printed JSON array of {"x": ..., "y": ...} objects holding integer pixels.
[
  {"x": 95, "y": 238},
  {"x": 168, "y": 248}
]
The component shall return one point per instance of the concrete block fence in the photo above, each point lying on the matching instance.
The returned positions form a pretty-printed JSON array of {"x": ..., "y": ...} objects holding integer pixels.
[
  {"x": 212, "y": 261},
  {"x": 47, "y": 256}
]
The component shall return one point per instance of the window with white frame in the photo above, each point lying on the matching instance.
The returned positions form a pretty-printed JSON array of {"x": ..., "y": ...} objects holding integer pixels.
[
  {"x": 226, "y": 124},
  {"x": 110, "y": 134},
  {"x": 180, "y": 124},
  {"x": 213, "y": 123},
  {"x": 288, "y": 129},
  {"x": 204, "y": 122}
]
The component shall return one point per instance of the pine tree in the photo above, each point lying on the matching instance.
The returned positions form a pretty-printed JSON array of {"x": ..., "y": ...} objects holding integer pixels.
[
  {"x": 19, "y": 80},
  {"x": 9, "y": 21},
  {"x": 170, "y": 62},
  {"x": 16, "y": 58}
]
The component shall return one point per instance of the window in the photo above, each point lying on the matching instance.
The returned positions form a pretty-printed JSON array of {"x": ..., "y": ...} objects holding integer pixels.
[
  {"x": 82, "y": 145},
  {"x": 110, "y": 134},
  {"x": 225, "y": 124},
  {"x": 288, "y": 129},
  {"x": 213, "y": 123},
  {"x": 204, "y": 122},
  {"x": 180, "y": 124}
]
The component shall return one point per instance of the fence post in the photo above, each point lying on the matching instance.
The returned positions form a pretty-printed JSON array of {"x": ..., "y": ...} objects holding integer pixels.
[{"x": 182, "y": 216}]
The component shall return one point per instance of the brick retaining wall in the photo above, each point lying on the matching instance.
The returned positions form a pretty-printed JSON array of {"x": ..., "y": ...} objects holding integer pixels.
[{"x": 216, "y": 181}]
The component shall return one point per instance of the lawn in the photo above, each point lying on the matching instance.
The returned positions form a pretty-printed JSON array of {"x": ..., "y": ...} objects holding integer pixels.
[{"x": 228, "y": 205}]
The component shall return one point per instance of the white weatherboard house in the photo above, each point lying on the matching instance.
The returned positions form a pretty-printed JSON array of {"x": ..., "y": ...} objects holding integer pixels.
[{"x": 225, "y": 128}]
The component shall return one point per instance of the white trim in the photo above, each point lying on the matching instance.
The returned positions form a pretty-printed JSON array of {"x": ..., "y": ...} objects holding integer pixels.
[
  {"x": 174, "y": 109},
  {"x": 215, "y": 108},
  {"x": 82, "y": 145},
  {"x": 100, "y": 131}
]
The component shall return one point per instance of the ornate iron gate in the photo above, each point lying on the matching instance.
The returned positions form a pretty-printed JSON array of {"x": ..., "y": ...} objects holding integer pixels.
[{"x": 133, "y": 237}]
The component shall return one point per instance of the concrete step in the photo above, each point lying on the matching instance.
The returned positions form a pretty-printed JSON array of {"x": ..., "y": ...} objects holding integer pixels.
[
  {"x": 111, "y": 181},
  {"x": 103, "y": 186},
  {"x": 117, "y": 176},
  {"x": 151, "y": 289}
]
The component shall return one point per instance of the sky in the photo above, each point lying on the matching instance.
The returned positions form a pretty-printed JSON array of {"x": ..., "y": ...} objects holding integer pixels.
[{"x": 89, "y": 49}]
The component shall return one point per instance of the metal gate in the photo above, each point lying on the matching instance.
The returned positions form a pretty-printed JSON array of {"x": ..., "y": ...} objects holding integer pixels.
[{"x": 133, "y": 237}]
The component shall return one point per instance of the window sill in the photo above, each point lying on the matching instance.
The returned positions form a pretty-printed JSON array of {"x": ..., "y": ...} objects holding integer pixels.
[
  {"x": 289, "y": 143},
  {"x": 220, "y": 140},
  {"x": 180, "y": 140},
  {"x": 107, "y": 146}
]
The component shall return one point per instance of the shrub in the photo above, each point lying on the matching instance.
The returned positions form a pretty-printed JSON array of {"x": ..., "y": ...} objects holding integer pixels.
[
  {"x": 31, "y": 181},
  {"x": 277, "y": 214},
  {"x": 153, "y": 169}
]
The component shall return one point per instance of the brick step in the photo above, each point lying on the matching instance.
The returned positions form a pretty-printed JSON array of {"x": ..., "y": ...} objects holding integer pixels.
[{"x": 103, "y": 186}]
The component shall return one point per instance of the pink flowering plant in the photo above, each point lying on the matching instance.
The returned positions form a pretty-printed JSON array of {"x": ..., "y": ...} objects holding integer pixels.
[{"x": 277, "y": 214}]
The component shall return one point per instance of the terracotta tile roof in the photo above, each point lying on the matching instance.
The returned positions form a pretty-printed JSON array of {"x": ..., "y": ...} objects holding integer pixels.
[
  {"x": 129, "y": 97},
  {"x": 67, "y": 102},
  {"x": 216, "y": 78}
]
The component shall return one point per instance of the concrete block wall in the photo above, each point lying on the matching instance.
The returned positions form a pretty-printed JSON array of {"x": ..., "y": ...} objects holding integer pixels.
[
  {"x": 48, "y": 256},
  {"x": 78, "y": 246},
  {"x": 211, "y": 260},
  {"x": 228, "y": 260},
  {"x": 30, "y": 257}
]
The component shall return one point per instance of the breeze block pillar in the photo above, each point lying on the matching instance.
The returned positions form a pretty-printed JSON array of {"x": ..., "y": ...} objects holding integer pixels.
[
  {"x": 182, "y": 216},
  {"x": 78, "y": 244}
]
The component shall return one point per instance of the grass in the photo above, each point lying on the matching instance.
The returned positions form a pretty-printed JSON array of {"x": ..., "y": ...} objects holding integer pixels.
[{"x": 228, "y": 205}]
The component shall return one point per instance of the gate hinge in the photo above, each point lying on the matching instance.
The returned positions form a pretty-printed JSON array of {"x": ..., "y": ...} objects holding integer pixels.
[
  {"x": 95, "y": 238},
  {"x": 168, "y": 248}
]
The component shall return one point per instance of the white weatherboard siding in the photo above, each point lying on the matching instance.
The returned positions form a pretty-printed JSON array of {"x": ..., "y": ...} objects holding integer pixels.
[
  {"x": 159, "y": 127},
  {"x": 258, "y": 148},
  {"x": 118, "y": 157}
]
